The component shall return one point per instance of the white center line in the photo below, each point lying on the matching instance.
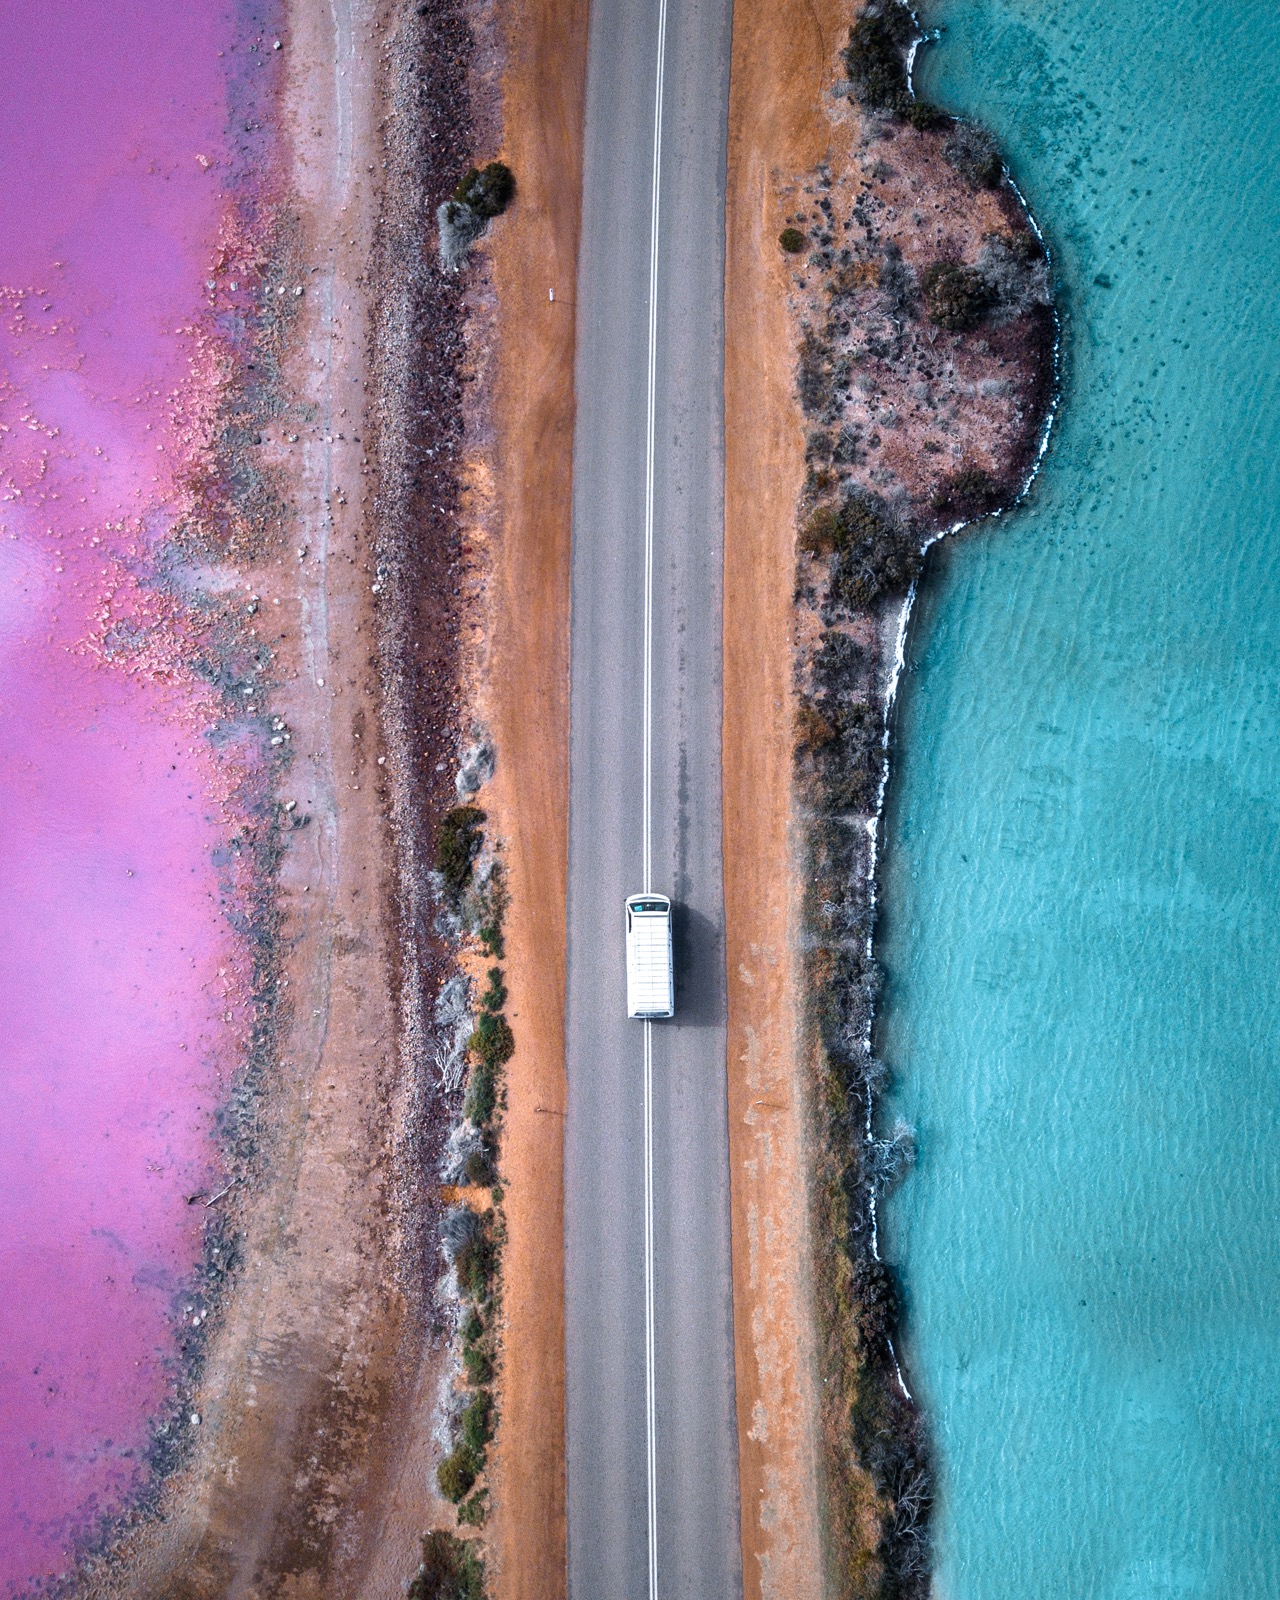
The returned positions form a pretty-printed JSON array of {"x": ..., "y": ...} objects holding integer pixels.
[
  {"x": 649, "y": 1379},
  {"x": 650, "y": 1382}
]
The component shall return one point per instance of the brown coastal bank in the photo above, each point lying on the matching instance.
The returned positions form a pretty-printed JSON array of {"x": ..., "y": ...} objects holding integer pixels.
[{"x": 889, "y": 373}]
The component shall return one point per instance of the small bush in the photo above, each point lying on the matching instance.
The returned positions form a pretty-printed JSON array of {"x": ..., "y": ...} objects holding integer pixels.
[
  {"x": 450, "y": 1570},
  {"x": 876, "y": 1294},
  {"x": 820, "y": 532},
  {"x": 792, "y": 241},
  {"x": 861, "y": 273},
  {"x": 956, "y": 297},
  {"x": 1015, "y": 267},
  {"x": 920, "y": 114},
  {"x": 487, "y": 191},
  {"x": 458, "y": 1227},
  {"x": 477, "y": 1363},
  {"x": 458, "y": 227},
  {"x": 846, "y": 452},
  {"x": 458, "y": 1472},
  {"x": 492, "y": 1041},
  {"x": 479, "y": 1169},
  {"x": 975, "y": 155},
  {"x": 876, "y": 55},
  {"x": 476, "y": 1264},
  {"x": 471, "y": 1513},
  {"x": 477, "y": 1423},
  {"x": 495, "y": 995},
  {"x": 458, "y": 840},
  {"x": 813, "y": 731},
  {"x": 482, "y": 1094},
  {"x": 839, "y": 665},
  {"x": 878, "y": 556},
  {"x": 970, "y": 491},
  {"x": 814, "y": 380},
  {"x": 852, "y": 769},
  {"x": 898, "y": 288}
]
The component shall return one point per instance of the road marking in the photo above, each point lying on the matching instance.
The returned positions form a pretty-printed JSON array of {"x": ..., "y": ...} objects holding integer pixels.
[
  {"x": 650, "y": 1386},
  {"x": 650, "y": 1381}
]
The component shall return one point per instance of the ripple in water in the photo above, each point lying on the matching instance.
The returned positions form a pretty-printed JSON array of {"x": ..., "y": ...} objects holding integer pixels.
[{"x": 1082, "y": 912}]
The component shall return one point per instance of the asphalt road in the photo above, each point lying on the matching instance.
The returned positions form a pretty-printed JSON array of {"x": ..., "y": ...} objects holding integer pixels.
[{"x": 652, "y": 1436}]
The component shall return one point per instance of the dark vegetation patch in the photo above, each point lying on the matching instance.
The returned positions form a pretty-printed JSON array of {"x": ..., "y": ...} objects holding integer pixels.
[
  {"x": 451, "y": 1569},
  {"x": 970, "y": 491},
  {"x": 876, "y": 56},
  {"x": 487, "y": 191},
  {"x": 956, "y": 297},
  {"x": 975, "y": 155},
  {"x": 458, "y": 841},
  {"x": 877, "y": 554}
]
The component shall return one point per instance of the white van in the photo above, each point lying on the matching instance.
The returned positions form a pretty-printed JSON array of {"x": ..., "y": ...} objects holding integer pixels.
[{"x": 650, "y": 987}]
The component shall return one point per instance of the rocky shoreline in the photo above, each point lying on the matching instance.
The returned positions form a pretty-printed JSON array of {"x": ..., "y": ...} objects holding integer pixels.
[{"x": 921, "y": 301}]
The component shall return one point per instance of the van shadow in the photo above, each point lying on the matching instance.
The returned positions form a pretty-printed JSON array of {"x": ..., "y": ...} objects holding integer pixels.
[{"x": 697, "y": 951}]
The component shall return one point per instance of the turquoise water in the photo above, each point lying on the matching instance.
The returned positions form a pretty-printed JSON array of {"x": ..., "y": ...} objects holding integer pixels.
[{"x": 1082, "y": 896}]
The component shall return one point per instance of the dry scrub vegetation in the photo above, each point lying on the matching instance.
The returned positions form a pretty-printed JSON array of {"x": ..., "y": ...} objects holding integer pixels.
[{"x": 922, "y": 307}]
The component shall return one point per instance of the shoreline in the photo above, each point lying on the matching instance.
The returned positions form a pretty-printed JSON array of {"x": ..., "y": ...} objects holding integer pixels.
[
  {"x": 988, "y": 406},
  {"x": 312, "y": 1460}
]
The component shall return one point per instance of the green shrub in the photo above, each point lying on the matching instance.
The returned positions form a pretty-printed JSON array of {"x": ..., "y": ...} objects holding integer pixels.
[
  {"x": 956, "y": 297},
  {"x": 471, "y": 1513},
  {"x": 492, "y": 1040},
  {"x": 478, "y": 1170},
  {"x": 495, "y": 996},
  {"x": 920, "y": 114},
  {"x": 876, "y": 55},
  {"x": 477, "y": 1363},
  {"x": 458, "y": 1472},
  {"x": 482, "y": 1094},
  {"x": 476, "y": 1264},
  {"x": 477, "y": 1423},
  {"x": 792, "y": 241},
  {"x": 488, "y": 191},
  {"x": 450, "y": 1570},
  {"x": 458, "y": 841}
]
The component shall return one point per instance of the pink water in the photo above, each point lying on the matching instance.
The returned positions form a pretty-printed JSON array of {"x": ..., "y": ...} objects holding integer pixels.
[{"x": 117, "y": 968}]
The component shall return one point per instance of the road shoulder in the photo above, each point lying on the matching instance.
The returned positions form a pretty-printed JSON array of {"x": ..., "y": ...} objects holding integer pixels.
[
  {"x": 784, "y": 57},
  {"x": 523, "y": 697}
]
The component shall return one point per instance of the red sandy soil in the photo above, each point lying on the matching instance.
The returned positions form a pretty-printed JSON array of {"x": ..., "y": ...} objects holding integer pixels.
[
  {"x": 784, "y": 56},
  {"x": 523, "y": 699}
]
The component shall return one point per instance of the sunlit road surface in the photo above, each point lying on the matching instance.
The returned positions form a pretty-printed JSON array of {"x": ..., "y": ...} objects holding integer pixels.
[{"x": 653, "y": 1463}]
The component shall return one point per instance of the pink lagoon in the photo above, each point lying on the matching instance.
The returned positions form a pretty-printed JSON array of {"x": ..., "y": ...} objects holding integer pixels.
[{"x": 122, "y": 1006}]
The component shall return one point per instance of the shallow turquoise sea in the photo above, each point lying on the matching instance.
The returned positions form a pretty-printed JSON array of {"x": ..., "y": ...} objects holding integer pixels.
[{"x": 1081, "y": 913}]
